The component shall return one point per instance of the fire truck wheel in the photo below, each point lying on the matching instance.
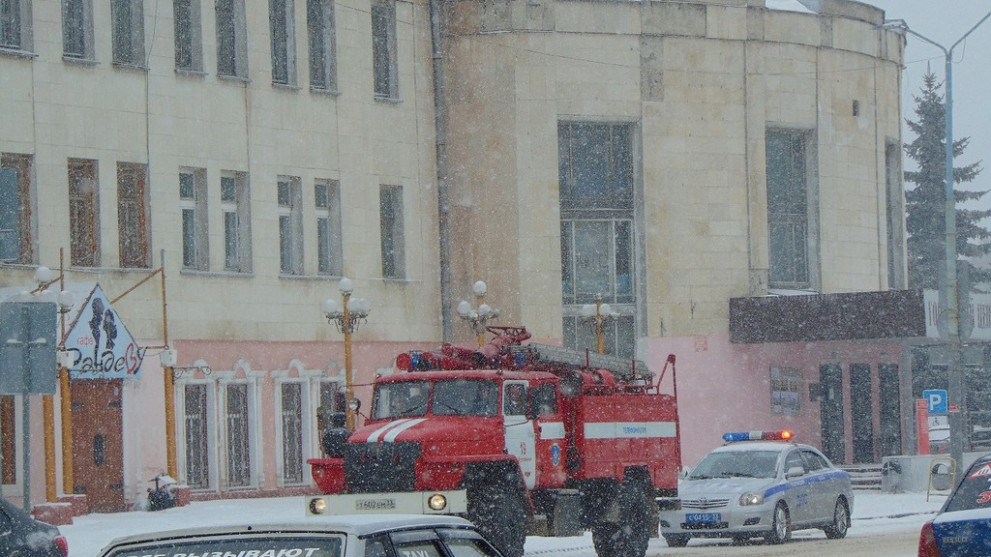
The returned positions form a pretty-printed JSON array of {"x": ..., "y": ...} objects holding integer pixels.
[
  {"x": 629, "y": 536},
  {"x": 498, "y": 512}
]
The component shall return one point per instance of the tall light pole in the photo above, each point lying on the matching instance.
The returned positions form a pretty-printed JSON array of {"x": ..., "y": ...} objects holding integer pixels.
[
  {"x": 598, "y": 314},
  {"x": 955, "y": 373},
  {"x": 347, "y": 317},
  {"x": 477, "y": 318}
]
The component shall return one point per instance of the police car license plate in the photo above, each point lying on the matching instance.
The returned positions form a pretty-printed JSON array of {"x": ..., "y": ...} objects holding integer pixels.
[{"x": 696, "y": 518}]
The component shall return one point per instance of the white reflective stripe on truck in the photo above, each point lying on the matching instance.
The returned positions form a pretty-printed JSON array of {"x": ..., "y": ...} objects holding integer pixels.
[
  {"x": 392, "y": 430},
  {"x": 630, "y": 430}
]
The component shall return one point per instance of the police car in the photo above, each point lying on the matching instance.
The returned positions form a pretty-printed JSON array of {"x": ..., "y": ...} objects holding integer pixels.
[
  {"x": 760, "y": 484},
  {"x": 963, "y": 525}
]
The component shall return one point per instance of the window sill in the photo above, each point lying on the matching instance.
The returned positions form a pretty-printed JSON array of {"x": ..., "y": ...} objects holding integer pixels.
[
  {"x": 220, "y": 274},
  {"x": 130, "y": 66},
  {"x": 190, "y": 72},
  {"x": 80, "y": 61},
  {"x": 388, "y": 100},
  {"x": 286, "y": 86},
  {"x": 324, "y": 91},
  {"x": 17, "y": 53},
  {"x": 233, "y": 78},
  {"x": 308, "y": 277}
]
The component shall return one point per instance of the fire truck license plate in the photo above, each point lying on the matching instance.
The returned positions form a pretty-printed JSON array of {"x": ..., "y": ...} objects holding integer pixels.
[{"x": 695, "y": 518}]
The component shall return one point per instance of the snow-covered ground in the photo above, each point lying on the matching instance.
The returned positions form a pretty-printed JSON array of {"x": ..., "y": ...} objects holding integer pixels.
[{"x": 873, "y": 513}]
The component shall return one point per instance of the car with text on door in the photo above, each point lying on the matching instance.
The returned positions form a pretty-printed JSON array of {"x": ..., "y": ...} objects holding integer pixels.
[
  {"x": 760, "y": 484},
  {"x": 373, "y": 535},
  {"x": 23, "y": 536},
  {"x": 962, "y": 527}
]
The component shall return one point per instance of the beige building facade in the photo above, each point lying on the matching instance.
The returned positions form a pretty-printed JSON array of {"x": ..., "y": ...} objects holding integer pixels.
[{"x": 664, "y": 157}]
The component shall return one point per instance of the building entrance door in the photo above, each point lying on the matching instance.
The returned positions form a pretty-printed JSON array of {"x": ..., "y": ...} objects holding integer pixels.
[
  {"x": 97, "y": 443},
  {"x": 831, "y": 408}
]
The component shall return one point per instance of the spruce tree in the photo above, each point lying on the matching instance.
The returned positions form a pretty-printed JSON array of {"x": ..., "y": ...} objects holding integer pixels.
[{"x": 925, "y": 202}]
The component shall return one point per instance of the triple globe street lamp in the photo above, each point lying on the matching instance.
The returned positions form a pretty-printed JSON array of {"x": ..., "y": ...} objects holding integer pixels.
[
  {"x": 478, "y": 317},
  {"x": 347, "y": 317},
  {"x": 597, "y": 315}
]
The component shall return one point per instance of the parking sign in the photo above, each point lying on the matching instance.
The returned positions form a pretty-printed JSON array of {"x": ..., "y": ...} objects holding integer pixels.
[{"x": 937, "y": 400}]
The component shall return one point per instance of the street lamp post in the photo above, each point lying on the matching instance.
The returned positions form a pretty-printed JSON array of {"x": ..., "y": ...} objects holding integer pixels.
[
  {"x": 598, "y": 314},
  {"x": 347, "y": 317},
  {"x": 477, "y": 318},
  {"x": 955, "y": 373}
]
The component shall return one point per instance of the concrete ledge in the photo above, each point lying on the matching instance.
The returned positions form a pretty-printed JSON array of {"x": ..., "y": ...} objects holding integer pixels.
[
  {"x": 56, "y": 514},
  {"x": 183, "y": 494},
  {"x": 80, "y": 505}
]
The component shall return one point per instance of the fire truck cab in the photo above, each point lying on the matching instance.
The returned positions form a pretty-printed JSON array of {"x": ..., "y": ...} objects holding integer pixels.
[{"x": 519, "y": 439}]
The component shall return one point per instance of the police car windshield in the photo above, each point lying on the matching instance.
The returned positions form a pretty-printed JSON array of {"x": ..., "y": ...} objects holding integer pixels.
[
  {"x": 466, "y": 397},
  {"x": 736, "y": 464}
]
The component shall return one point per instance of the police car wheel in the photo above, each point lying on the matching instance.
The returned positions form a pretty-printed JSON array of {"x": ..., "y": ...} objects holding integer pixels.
[
  {"x": 840, "y": 523},
  {"x": 780, "y": 525}
]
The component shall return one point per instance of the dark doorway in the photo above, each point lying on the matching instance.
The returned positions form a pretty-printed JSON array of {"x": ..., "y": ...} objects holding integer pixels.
[
  {"x": 831, "y": 407},
  {"x": 97, "y": 443},
  {"x": 891, "y": 409},
  {"x": 862, "y": 413}
]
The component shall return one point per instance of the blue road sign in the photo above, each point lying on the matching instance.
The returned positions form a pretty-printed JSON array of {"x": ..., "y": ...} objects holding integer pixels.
[{"x": 938, "y": 403}]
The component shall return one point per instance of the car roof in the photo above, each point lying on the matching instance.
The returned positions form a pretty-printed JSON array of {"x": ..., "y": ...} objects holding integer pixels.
[
  {"x": 776, "y": 446},
  {"x": 357, "y": 525}
]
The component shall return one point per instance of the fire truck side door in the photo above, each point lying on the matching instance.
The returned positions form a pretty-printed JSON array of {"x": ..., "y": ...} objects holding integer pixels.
[{"x": 519, "y": 428}]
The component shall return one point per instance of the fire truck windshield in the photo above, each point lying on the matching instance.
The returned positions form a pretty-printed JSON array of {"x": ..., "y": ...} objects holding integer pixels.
[
  {"x": 466, "y": 397},
  {"x": 451, "y": 397},
  {"x": 400, "y": 400}
]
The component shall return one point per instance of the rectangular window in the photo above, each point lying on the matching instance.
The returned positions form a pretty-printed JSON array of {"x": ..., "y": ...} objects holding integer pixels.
[
  {"x": 321, "y": 31},
  {"x": 786, "y": 390},
  {"x": 238, "y": 436},
  {"x": 17, "y": 211},
  {"x": 193, "y": 206},
  {"x": 788, "y": 208},
  {"x": 234, "y": 203},
  {"x": 281, "y": 23},
  {"x": 232, "y": 45},
  {"x": 384, "y": 58},
  {"x": 128, "y": 32},
  {"x": 77, "y": 29},
  {"x": 133, "y": 218},
  {"x": 188, "y": 35},
  {"x": 15, "y": 25},
  {"x": 391, "y": 229},
  {"x": 330, "y": 254},
  {"x": 292, "y": 433},
  {"x": 84, "y": 213},
  {"x": 197, "y": 437},
  {"x": 290, "y": 213},
  {"x": 596, "y": 175}
]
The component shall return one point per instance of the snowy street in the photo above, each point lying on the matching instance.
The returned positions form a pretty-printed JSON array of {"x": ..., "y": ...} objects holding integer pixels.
[{"x": 890, "y": 521}]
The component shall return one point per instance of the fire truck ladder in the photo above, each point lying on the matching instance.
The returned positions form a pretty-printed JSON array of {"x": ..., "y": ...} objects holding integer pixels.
[{"x": 622, "y": 368}]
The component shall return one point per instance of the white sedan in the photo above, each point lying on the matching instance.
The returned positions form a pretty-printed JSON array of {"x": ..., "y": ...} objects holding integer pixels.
[
  {"x": 339, "y": 536},
  {"x": 760, "y": 488}
]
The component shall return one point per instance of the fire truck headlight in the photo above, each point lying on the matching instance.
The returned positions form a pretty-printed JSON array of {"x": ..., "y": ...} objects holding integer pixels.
[
  {"x": 318, "y": 505},
  {"x": 437, "y": 502},
  {"x": 749, "y": 499}
]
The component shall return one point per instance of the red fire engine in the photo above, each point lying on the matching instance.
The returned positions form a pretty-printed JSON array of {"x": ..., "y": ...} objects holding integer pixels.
[{"x": 520, "y": 438}]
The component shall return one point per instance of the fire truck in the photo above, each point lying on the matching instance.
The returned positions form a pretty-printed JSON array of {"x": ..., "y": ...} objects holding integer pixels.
[{"x": 520, "y": 438}]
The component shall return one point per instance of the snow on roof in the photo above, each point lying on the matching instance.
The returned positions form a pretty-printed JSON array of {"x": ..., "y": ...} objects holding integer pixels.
[{"x": 804, "y": 6}]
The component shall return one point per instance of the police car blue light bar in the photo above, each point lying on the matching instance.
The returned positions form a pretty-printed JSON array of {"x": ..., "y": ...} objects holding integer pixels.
[{"x": 780, "y": 435}]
